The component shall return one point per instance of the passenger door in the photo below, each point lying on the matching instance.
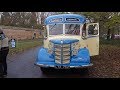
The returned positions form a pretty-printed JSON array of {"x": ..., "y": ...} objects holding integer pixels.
[{"x": 92, "y": 40}]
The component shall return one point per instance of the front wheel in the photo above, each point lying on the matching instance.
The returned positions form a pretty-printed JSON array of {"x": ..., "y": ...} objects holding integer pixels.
[
  {"x": 43, "y": 69},
  {"x": 80, "y": 70},
  {"x": 46, "y": 70}
]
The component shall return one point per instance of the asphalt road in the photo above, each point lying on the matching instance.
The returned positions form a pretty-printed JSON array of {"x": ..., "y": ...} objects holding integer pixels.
[{"x": 22, "y": 65}]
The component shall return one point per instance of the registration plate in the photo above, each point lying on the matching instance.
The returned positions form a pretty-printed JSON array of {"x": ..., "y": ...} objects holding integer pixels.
[{"x": 62, "y": 67}]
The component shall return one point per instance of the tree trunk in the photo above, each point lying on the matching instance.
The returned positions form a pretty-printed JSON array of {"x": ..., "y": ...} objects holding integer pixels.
[
  {"x": 108, "y": 34},
  {"x": 112, "y": 37}
]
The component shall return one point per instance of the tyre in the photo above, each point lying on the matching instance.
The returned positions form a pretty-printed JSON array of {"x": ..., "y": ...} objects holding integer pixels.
[
  {"x": 85, "y": 70},
  {"x": 80, "y": 70},
  {"x": 46, "y": 70},
  {"x": 43, "y": 69}
]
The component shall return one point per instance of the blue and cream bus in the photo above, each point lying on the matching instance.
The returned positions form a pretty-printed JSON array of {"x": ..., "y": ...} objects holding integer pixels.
[{"x": 69, "y": 42}]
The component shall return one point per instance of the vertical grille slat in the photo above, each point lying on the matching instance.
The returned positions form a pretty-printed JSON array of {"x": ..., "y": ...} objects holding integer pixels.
[{"x": 62, "y": 53}]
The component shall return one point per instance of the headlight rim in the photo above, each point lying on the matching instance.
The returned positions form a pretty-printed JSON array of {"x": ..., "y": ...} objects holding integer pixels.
[
  {"x": 50, "y": 47},
  {"x": 74, "y": 49}
]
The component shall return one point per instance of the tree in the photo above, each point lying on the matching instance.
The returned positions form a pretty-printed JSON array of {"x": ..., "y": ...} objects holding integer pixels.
[
  {"x": 5, "y": 18},
  {"x": 107, "y": 21}
]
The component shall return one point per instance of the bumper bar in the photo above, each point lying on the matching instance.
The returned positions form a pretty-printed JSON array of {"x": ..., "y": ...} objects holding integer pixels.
[{"x": 64, "y": 67}]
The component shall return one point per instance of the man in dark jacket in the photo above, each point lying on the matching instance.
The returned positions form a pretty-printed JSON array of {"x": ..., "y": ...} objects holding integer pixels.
[{"x": 4, "y": 49}]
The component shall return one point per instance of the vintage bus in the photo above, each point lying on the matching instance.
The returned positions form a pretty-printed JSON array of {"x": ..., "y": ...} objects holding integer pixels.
[{"x": 69, "y": 42}]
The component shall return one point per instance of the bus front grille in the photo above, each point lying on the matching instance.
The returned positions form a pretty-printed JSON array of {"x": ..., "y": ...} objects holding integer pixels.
[{"x": 62, "y": 53}]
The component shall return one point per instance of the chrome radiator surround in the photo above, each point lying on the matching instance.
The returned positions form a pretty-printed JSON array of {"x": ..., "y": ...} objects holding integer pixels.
[{"x": 62, "y": 53}]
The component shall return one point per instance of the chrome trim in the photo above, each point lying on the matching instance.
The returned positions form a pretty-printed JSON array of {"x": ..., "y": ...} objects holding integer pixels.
[
  {"x": 82, "y": 66},
  {"x": 62, "y": 53},
  {"x": 43, "y": 65},
  {"x": 63, "y": 67}
]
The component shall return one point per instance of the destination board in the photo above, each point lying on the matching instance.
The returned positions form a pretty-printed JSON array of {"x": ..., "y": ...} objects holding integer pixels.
[
  {"x": 72, "y": 19},
  {"x": 56, "y": 20}
]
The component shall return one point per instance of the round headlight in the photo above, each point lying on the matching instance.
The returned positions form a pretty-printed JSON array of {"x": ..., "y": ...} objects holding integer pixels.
[
  {"x": 74, "y": 52},
  {"x": 50, "y": 51},
  {"x": 75, "y": 48},
  {"x": 50, "y": 45},
  {"x": 50, "y": 48}
]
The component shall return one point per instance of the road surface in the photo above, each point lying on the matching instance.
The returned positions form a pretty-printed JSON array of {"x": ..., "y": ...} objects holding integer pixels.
[{"x": 105, "y": 65}]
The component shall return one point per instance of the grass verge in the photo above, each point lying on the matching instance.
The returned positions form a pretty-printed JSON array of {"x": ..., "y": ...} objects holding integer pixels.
[
  {"x": 115, "y": 42},
  {"x": 24, "y": 45}
]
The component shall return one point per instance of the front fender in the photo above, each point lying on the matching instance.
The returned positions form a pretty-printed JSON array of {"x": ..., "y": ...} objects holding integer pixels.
[
  {"x": 83, "y": 56},
  {"x": 43, "y": 55}
]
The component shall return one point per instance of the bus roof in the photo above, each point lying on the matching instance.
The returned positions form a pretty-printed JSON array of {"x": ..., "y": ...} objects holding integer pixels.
[{"x": 65, "y": 18}]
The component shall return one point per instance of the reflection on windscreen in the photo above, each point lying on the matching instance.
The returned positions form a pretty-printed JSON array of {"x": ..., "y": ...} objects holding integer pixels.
[
  {"x": 73, "y": 29},
  {"x": 56, "y": 29}
]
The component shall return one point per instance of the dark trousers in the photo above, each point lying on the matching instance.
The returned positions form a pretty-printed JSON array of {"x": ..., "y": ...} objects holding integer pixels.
[{"x": 3, "y": 56}]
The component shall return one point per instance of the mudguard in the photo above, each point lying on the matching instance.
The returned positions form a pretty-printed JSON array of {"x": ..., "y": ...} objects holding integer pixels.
[
  {"x": 83, "y": 56},
  {"x": 43, "y": 55}
]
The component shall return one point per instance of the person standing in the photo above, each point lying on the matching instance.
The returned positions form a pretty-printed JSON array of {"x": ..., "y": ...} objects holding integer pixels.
[
  {"x": 13, "y": 43},
  {"x": 4, "y": 49}
]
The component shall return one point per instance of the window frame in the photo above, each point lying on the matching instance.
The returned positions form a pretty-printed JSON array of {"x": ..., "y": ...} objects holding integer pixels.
[{"x": 87, "y": 28}]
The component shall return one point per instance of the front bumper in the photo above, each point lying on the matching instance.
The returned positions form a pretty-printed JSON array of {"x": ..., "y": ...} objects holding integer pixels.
[{"x": 64, "y": 66}]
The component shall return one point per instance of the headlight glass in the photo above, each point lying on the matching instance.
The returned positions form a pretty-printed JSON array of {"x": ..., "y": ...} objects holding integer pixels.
[
  {"x": 50, "y": 48},
  {"x": 75, "y": 48}
]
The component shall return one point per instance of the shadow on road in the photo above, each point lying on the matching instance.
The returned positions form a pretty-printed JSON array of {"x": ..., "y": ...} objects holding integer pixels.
[{"x": 68, "y": 73}]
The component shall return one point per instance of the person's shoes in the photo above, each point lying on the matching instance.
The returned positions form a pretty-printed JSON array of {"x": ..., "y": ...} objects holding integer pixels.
[
  {"x": 1, "y": 76},
  {"x": 5, "y": 74}
]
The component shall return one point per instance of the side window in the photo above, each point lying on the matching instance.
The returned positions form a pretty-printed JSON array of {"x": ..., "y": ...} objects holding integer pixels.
[{"x": 93, "y": 29}]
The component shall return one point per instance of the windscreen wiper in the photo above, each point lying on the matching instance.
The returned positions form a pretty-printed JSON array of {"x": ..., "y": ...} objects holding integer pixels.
[{"x": 52, "y": 26}]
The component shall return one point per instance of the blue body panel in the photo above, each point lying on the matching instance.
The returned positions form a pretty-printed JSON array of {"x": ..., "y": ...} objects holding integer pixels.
[
  {"x": 65, "y": 41},
  {"x": 82, "y": 58},
  {"x": 65, "y": 18}
]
